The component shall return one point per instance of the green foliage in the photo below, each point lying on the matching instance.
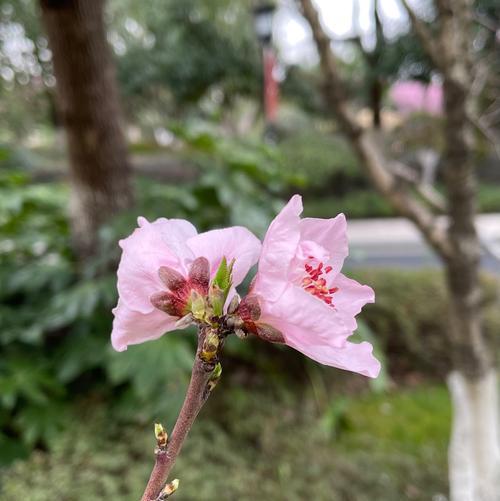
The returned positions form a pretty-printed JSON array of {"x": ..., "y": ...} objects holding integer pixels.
[
  {"x": 325, "y": 160},
  {"x": 387, "y": 447},
  {"x": 404, "y": 58},
  {"x": 177, "y": 51},
  {"x": 488, "y": 198},
  {"x": 242, "y": 179},
  {"x": 410, "y": 317},
  {"x": 56, "y": 322},
  {"x": 367, "y": 203},
  {"x": 56, "y": 314},
  {"x": 357, "y": 204},
  {"x": 56, "y": 319}
]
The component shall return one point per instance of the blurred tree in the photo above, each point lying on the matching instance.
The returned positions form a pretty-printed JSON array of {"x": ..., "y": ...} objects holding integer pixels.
[
  {"x": 373, "y": 58},
  {"x": 387, "y": 60},
  {"x": 89, "y": 106},
  {"x": 176, "y": 52},
  {"x": 451, "y": 44}
]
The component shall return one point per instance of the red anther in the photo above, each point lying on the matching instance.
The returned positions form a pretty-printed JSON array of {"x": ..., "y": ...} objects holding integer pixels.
[{"x": 315, "y": 284}]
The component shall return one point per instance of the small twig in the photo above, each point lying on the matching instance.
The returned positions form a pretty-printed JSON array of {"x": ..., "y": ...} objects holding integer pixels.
[
  {"x": 486, "y": 22},
  {"x": 487, "y": 132},
  {"x": 423, "y": 32},
  {"x": 197, "y": 394},
  {"x": 426, "y": 191}
]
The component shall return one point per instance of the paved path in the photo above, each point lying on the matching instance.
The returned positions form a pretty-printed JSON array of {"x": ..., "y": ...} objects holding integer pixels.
[{"x": 397, "y": 243}]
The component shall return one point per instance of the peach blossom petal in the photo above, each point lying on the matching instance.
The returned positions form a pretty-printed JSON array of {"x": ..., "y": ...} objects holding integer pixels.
[
  {"x": 236, "y": 243},
  {"x": 330, "y": 234},
  {"x": 278, "y": 249},
  {"x": 303, "y": 294},
  {"x": 132, "y": 327},
  {"x": 161, "y": 243}
]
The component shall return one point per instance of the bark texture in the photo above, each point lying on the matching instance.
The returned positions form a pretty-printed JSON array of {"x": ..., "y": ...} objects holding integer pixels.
[{"x": 88, "y": 104}]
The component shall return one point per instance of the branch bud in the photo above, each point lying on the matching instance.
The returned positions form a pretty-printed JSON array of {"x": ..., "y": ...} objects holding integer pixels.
[
  {"x": 210, "y": 346},
  {"x": 161, "y": 436},
  {"x": 197, "y": 305},
  {"x": 221, "y": 284},
  {"x": 169, "y": 489},
  {"x": 217, "y": 299},
  {"x": 216, "y": 374},
  {"x": 214, "y": 377}
]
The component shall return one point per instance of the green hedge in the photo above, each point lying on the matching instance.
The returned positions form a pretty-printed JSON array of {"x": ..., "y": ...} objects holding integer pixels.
[{"x": 410, "y": 317}]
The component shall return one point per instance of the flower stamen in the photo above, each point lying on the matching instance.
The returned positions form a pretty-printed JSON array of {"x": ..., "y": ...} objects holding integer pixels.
[{"x": 315, "y": 282}]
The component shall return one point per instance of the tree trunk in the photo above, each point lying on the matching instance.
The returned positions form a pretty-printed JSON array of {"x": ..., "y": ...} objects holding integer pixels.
[
  {"x": 474, "y": 462},
  {"x": 89, "y": 107},
  {"x": 474, "y": 451}
]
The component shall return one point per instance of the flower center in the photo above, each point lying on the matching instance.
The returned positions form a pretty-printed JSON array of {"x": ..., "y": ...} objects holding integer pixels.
[{"x": 315, "y": 283}]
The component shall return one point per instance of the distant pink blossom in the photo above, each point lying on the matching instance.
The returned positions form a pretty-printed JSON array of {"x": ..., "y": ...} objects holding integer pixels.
[
  {"x": 413, "y": 96},
  {"x": 303, "y": 299},
  {"x": 162, "y": 263}
]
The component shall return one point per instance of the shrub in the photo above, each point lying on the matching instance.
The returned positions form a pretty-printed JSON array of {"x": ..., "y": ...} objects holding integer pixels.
[
  {"x": 409, "y": 317},
  {"x": 56, "y": 313},
  {"x": 258, "y": 444}
]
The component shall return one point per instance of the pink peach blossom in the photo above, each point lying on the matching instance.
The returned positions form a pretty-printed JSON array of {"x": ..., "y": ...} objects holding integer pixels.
[
  {"x": 302, "y": 294},
  {"x": 413, "y": 96},
  {"x": 161, "y": 263}
]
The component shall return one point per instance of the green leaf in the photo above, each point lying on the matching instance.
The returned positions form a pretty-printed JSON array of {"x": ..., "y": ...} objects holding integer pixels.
[
  {"x": 222, "y": 277},
  {"x": 42, "y": 422},
  {"x": 153, "y": 369},
  {"x": 221, "y": 285},
  {"x": 11, "y": 449}
]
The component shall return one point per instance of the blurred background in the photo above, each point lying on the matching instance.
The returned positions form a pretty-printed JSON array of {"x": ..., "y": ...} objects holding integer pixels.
[{"x": 212, "y": 110}]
